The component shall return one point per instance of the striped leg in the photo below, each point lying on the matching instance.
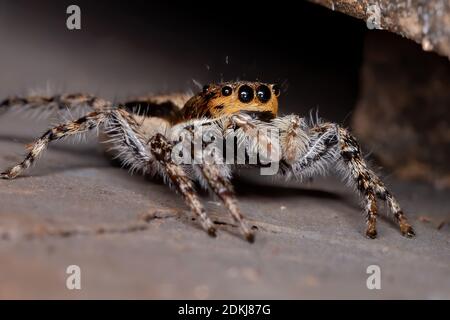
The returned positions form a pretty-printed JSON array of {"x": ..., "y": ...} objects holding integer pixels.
[
  {"x": 382, "y": 193},
  {"x": 328, "y": 145},
  {"x": 293, "y": 138},
  {"x": 127, "y": 142},
  {"x": 161, "y": 148},
  {"x": 50, "y": 104},
  {"x": 318, "y": 152},
  {"x": 370, "y": 185},
  {"x": 127, "y": 138},
  {"x": 215, "y": 174},
  {"x": 216, "y": 177}
]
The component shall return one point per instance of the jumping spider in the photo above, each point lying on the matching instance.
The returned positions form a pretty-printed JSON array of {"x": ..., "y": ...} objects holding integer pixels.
[{"x": 142, "y": 134}]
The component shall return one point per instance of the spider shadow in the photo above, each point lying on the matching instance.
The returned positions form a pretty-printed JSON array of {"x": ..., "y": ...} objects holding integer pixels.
[{"x": 247, "y": 188}]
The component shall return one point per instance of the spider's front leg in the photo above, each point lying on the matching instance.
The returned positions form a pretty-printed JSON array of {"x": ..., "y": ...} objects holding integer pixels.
[
  {"x": 119, "y": 124},
  {"x": 309, "y": 150},
  {"x": 202, "y": 143},
  {"x": 217, "y": 178},
  {"x": 161, "y": 148},
  {"x": 369, "y": 183},
  {"x": 70, "y": 128},
  {"x": 214, "y": 170}
]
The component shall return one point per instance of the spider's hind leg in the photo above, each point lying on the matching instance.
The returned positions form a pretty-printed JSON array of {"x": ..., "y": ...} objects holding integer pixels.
[{"x": 48, "y": 104}]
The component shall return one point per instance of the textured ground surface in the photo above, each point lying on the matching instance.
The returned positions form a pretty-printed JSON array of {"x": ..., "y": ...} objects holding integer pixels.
[{"x": 130, "y": 239}]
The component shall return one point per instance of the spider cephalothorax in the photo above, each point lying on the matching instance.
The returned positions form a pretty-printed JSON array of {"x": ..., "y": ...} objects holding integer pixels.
[
  {"x": 145, "y": 134},
  {"x": 217, "y": 100}
]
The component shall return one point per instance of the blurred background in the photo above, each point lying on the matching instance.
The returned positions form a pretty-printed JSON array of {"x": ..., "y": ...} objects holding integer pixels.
[{"x": 136, "y": 47}]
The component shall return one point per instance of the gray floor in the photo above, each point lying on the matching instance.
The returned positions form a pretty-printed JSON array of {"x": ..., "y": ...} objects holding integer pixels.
[{"x": 131, "y": 237}]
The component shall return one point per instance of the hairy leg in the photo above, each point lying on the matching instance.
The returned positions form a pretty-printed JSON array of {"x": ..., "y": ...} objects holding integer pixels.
[
  {"x": 203, "y": 141},
  {"x": 217, "y": 179},
  {"x": 161, "y": 148},
  {"x": 127, "y": 138},
  {"x": 328, "y": 146},
  {"x": 49, "y": 104},
  {"x": 216, "y": 173},
  {"x": 319, "y": 152},
  {"x": 293, "y": 138},
  {"x": 367, "y": 179}
]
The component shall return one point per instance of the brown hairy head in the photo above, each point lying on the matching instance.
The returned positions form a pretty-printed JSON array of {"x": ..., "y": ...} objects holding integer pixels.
[{"x": 221, "y": 99}]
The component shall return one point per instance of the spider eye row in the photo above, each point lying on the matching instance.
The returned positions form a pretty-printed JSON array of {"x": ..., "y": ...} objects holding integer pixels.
[{"x": 247, "y": 94}]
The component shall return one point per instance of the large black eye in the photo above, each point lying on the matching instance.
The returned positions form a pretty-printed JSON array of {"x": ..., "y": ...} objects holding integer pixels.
[
  {"x": 205, "y": 88},
  {"x": 246, "y": 93},
  {"x": 263, "y": 93},
  {"x": 276, "y": 90},
  {"x": 226, "y": 91}
]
